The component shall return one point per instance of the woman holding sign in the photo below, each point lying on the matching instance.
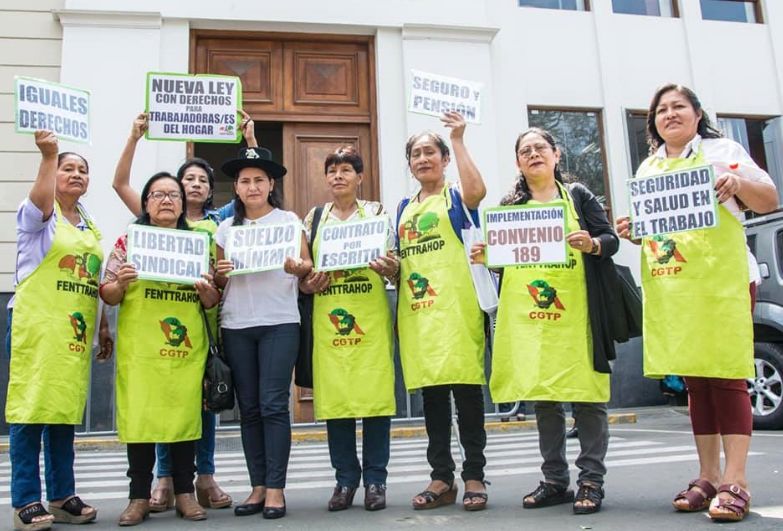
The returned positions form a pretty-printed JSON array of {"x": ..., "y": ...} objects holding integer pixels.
[
  {"x": 698, "y": 284},
  {"x": 353, "y": 351},
  {"x": 566, "y": 351},
  {"x": 441, "y": 327},
  {"x": 198, "y": 179},
  {"x": 263, "y": 249},
  {"x": 161, "y": 351},
  {"x": 51, "y": 323}
]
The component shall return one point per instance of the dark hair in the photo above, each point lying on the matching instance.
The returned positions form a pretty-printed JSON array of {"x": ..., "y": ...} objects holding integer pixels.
[
  {"x": 144, "y": 218},
  {"x": 204, "y": 165},
  {"x": 520, "y": 193},
  {"x": 275, "y": 199},
  {"x": 704, "y": 128},
  {"x": 444, "y": 148},
  {"x": 61, "y": 156},
  {"x": 344, "y": 155}
]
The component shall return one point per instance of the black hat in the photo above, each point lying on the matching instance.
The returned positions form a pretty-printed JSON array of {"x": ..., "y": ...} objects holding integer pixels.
[{"x": 257, "y": 157}]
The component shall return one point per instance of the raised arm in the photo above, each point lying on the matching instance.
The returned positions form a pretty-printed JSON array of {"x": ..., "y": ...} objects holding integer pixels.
[
  {"x": 471, "y": 182},
  {"x": 121, "y": 182},
  {"x": 42, "y": 192}
]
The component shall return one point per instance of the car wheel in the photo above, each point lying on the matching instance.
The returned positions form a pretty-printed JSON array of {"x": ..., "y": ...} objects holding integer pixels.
[{"x": 766, "y": 390}]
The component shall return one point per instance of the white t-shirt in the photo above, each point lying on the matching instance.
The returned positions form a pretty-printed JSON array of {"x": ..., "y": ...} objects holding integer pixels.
[
  {"x": 259, "y": 299},
  {"x": 727, "y": 156}
]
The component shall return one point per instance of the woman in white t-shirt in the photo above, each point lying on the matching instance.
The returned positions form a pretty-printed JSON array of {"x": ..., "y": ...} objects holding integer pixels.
[{"x": 260, "y": 331}]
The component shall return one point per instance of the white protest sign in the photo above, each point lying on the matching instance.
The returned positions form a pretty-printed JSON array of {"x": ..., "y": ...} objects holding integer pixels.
[
  {"x": 434, "y": 94},
  {"x": 351, "y": 244},
  {"x": 65, "y": 111},
  {"x": 526, "y": 235},
  {"x": 257, "y": 247},
  {"x": 200, "y": 108},
  {"x": 672, "y": 202},
  {"x": 168, "y": 255}
]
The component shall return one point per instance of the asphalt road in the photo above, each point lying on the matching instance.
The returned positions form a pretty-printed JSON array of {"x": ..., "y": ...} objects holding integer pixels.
[{"x": 648, "y": 463}]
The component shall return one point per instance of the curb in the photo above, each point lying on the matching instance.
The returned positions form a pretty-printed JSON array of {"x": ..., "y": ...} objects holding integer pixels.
[{"x": 302, "y": 435}]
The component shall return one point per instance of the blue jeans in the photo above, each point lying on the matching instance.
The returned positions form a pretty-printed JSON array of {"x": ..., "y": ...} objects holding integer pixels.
[
  {"x": 375, "y": 450},
  {"x": 205, "y": 449},
  {"x": 25, "y": 442},
  {"x": 262, "y": 362}
]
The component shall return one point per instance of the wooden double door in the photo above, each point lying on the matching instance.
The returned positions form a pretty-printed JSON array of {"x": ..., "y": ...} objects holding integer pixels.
[
  {"x": 308, "y": 95},
  {"x": 321, "y": 90}
]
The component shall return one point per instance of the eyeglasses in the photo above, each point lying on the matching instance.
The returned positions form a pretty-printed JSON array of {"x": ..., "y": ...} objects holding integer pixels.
[
  {"x": 158, "y": 195},
  {"x": 527, "y": 151}
]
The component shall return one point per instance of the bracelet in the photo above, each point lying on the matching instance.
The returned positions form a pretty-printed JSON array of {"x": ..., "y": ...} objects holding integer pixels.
[{"x": 596, "y": 250}]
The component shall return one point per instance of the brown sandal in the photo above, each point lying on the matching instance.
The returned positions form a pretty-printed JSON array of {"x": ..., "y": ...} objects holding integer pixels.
[
  {"x": 698, "y": 500},
  {"x": 162, "y": 499},
  {"x": 213, "y": 497},
  {"x": 468, "y": 499},
  {"x": 738, "y": 505},
  {"x": 436, "y": 499}
]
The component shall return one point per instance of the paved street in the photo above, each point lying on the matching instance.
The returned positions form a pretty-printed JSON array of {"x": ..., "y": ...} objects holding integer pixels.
[{"x": 648, "y": 462}]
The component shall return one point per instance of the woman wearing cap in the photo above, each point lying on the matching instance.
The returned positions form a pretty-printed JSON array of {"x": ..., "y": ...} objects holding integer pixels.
[
  {"x": 260, "y": 328},
  {"x": 355, "y": 378},
  {"x": 50, "y": 335},
  {"x": 198, "y": 179},
  {"x": 565, "y": 355},
  {"x": 441, "y": 327},
  {"x": 159, "y": 397},
  {"x": 712, "y": 290}
]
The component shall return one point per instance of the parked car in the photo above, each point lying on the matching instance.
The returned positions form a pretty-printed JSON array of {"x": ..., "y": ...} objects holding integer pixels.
[{"x": 765, "y": 238}]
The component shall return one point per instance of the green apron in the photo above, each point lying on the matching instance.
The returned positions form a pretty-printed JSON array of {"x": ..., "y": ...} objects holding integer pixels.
[
  {"x": 543, "y": 347},
  {"x": 441, "y": 327},
  {"x": 210, "y": 227},
  {"x": 353, "y": 353},
  {"x": 697, "y": 319},
  {"x": 161, "y": 352},
  {"x": 55, "y": 312}
]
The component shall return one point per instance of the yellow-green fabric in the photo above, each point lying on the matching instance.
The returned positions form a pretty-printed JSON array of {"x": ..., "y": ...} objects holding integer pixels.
[
  {"x": 161, "y": 352},
  {"x": 441, "y": 327},
  {"x": 210, "y": 227},
  {"x": 697, "y": 319},
  {"x": 543, "y": 347},
  {"x": 353, "y": 352},
  {"x": 55, "y": 312}
]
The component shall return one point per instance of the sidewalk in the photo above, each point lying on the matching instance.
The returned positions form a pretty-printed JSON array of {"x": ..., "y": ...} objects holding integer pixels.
[{"x": 229, "y": 438}]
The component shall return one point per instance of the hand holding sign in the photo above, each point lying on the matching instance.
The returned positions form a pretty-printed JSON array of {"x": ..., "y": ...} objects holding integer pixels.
[
  {"x": 387, "y": 266},
  {"x": 126, "y": 274}
]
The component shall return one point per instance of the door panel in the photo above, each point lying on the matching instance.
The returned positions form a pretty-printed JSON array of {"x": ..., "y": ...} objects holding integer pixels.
[{"x": 305, "y": 148}]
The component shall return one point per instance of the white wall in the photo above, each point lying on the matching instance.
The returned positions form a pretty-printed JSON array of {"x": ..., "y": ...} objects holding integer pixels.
[{"x": 524, "y": 56}]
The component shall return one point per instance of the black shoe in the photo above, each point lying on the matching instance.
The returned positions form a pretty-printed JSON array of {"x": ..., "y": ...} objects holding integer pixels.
[
  {"x": 246, "y": 509},
  {"x": 272, "y": 513},
  {"x": 547, "y": 494},
  {"x": 375, "y": 497},
  {"x": 342, "y": 498},
  {"x": 590, "y": 493},
  {"x": 573, "y": 433}
]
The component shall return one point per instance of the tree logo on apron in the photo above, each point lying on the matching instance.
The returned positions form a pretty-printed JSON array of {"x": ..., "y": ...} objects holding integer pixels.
[
  {"x": 79, "y": 327},
  {"x": 82, "y": 266},
  {"x": 544, "y": 295},
  {"x": 420, "y": 286},
  {"x": 176, "y": 333},
  {"x": 664, "y": 249},
  {"x": 344, "y": 322},
  {"x": 420, "y": 228}
]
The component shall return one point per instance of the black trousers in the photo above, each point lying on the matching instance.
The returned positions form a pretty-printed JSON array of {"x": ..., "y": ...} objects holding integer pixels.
[
  {"x": 469, "y": 400},
  {"x": 141, "y": 461}
]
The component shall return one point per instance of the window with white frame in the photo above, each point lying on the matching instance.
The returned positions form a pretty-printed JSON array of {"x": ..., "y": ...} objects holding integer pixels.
[
  {"x": 579, "y": 135},
  {"x": 569, "y": 5},
  {"x": 655, "y": 8},
  {"x": 732, "y": 10}
]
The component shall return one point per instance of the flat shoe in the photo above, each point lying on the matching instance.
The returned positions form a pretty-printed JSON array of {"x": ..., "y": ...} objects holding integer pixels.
[
  {"x": 546, "y": 495},
  {"x": 247, "y": 509},
  {"x": 588, "y": 492},
  {"x": 698, "y": 500},
  {"x": 736, "y": 507}
]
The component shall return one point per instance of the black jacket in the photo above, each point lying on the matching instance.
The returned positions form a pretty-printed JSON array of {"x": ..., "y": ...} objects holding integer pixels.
[{"x": 599, "y": 271}]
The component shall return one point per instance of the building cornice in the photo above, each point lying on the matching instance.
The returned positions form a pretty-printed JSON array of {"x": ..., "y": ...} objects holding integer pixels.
[{"x": 108, "y": 19}]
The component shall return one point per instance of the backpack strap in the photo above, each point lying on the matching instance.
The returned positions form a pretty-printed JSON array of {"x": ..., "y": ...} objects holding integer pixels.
[
  {"x": 314, "y": 227},
  {"x": 400, "y": 208}
]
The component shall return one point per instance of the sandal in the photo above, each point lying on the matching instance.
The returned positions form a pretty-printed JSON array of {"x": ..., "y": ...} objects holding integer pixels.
[
  {"x": 699, "y": 494},
  {"x": 436, "y": 499},
  {"x": 468, "y": 498},
  {"x": 737, "y": 505},
  {"x": 72, "y": 512},
  {"x": 590, "y": 493},
  {"x": 547, "y": 494},
  {"x": 162, "y": 499},
  {"x": 23, "y": 518},
  {"x": 213, "y": 497}
]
